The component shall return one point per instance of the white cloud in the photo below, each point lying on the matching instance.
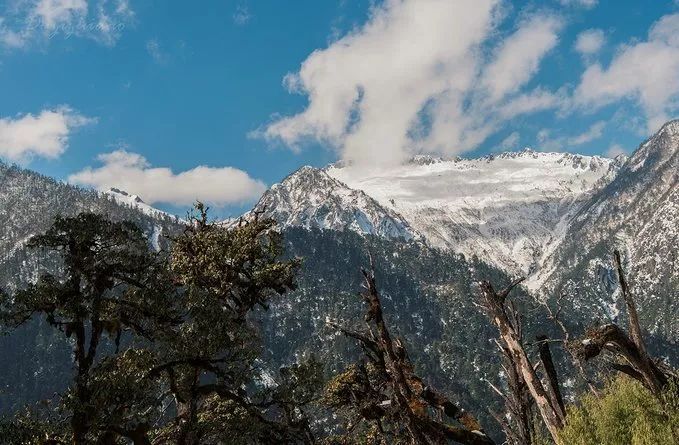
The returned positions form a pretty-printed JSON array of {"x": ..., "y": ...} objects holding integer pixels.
[
  {"x": 155, "y": 51},
  {"x": 44, "y": 135},
  {"x": 548, "y": 143},
  {"x": 9, "y": 38},
  {"x": 418, "y": 77},
  {"x": 594, "y": 132},
  {"x": 588, "y": 4},
  {"x": 242, "y": 15},
  {"x": 615, "y": 150},
  {"x": 532, "y": 102},
  {"x": 646, "y": 72},
  {"x": 52, "y": 13},
  {"x": 41, "y": 20},
  {"x": 519, "y": 56},
  {"x": 590, "y": 42},
  {"x": 133, "y": 173},
  {"x": 510, "y": 141}
]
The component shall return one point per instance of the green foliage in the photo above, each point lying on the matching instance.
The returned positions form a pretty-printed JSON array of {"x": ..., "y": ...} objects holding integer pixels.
[
  {"x": 35, "y": 425},
  {"x": 109, "y": 284},
  {"x": 625, "y": 414},
  {"x": 210, "y": 361}
]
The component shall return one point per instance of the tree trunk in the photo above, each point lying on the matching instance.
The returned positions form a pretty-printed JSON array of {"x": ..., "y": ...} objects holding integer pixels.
[
  {"x": 495, "y": 307},
  {"x": 551, "y": 376}
]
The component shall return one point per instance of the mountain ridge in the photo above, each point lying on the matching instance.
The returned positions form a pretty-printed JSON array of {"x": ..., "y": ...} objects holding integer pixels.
[{"x": 461, "y": 212}]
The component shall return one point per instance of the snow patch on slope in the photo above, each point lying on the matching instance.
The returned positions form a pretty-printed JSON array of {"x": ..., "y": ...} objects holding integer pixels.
[
  {"x": 506, "y": 209},
  {"x": 122, "y": 197}
]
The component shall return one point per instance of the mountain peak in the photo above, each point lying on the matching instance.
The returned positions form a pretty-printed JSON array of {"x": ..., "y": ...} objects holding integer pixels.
[
  {"x": 672, "y": 127},
  {"x": 125, "y": 198},
  {"x": 656, "y": 151},
  {"x": 312, "y": 199},
  {"x": 124, "y": 195}
]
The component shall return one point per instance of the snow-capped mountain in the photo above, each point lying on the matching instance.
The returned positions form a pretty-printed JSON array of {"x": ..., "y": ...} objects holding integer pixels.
[
  {"x": 122, "y": 197},
  {"x": 637, "y": 213},
  {"x": 311, "y": 198},
  {"x": 503, "y": 208}
]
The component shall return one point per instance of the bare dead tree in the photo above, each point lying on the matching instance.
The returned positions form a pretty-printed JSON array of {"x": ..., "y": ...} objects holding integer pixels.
[
  {"x": 503, "y": 317},
  {"x": 629, "y": 350},
  {"x": 516, "y": 422},
  {"x": 555, "y": 316},
  {"x": 387, "y": 390}
]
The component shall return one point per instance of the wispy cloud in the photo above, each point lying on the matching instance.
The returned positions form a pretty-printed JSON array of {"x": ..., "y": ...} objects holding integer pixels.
[
  {"x": 547, "y": 142},
  {"x": 156, "y": 52},
  {"x": 646, "y": 72},
  {"x": 416, "y": 78},
  {"x": 132, "y": 172},
  {"x": 616, "y": 150},
  {"x": 41, "y": 20},
  {"x": 588, "y": 4},
  {"x": 511, "y": 141},
  {"x": 242, "y": 15}
]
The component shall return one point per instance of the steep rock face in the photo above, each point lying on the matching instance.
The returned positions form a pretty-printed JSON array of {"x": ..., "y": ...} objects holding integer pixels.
[
  {"x": 638, "y": 213},
  {"x": 506, "y": 209},
  {"x": 310, "y": 198}
]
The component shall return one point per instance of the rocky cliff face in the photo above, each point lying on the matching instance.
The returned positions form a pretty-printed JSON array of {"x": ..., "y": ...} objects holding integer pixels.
[{"x": 637, "y": 213}]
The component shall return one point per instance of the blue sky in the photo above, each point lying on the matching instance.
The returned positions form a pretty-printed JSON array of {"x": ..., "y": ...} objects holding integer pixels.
[{"x": 141, "y": 92}]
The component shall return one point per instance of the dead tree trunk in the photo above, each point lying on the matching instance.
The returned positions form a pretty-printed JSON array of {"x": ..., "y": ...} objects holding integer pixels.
[
  {"x": 550, "y": 372},
  {"x": 567, "y": 342},
  {"x": 517, "y": 423},
  {"x": 630, "y": 349},
  {"x": 405, "y": 400},
  {"x": 494, "y": 305}
]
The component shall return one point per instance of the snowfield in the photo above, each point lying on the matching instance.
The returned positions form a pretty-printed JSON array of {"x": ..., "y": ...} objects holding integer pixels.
[{"x": 506, "y": 209}]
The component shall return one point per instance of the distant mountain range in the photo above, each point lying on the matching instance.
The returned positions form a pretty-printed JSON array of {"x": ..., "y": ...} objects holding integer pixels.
[
  {"x": 553, "y": 217},
  {"x": 436, "y": 226},
  {"x": 507, "y": 209}
]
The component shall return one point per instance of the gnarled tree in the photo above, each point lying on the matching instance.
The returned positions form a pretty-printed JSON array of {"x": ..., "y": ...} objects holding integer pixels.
[
  {"x": 545, "y": 395},
  {"x": 628, "y": 350},
  {"x": 108, "y": 286},
  {"x": 385, "y": 400},
  {"x": 209, "y": 363}
]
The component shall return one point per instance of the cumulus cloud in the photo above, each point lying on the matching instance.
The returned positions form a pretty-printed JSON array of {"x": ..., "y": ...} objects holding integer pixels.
[
  {"x": 33, "y": 20},
  {"x": 44, "y": 135},
  {"x": 133, "y": 173},
  {"x": 419, "y": 76},
  {"x": 646, "y": 72},
  {"x": 590, "y": 42}
]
